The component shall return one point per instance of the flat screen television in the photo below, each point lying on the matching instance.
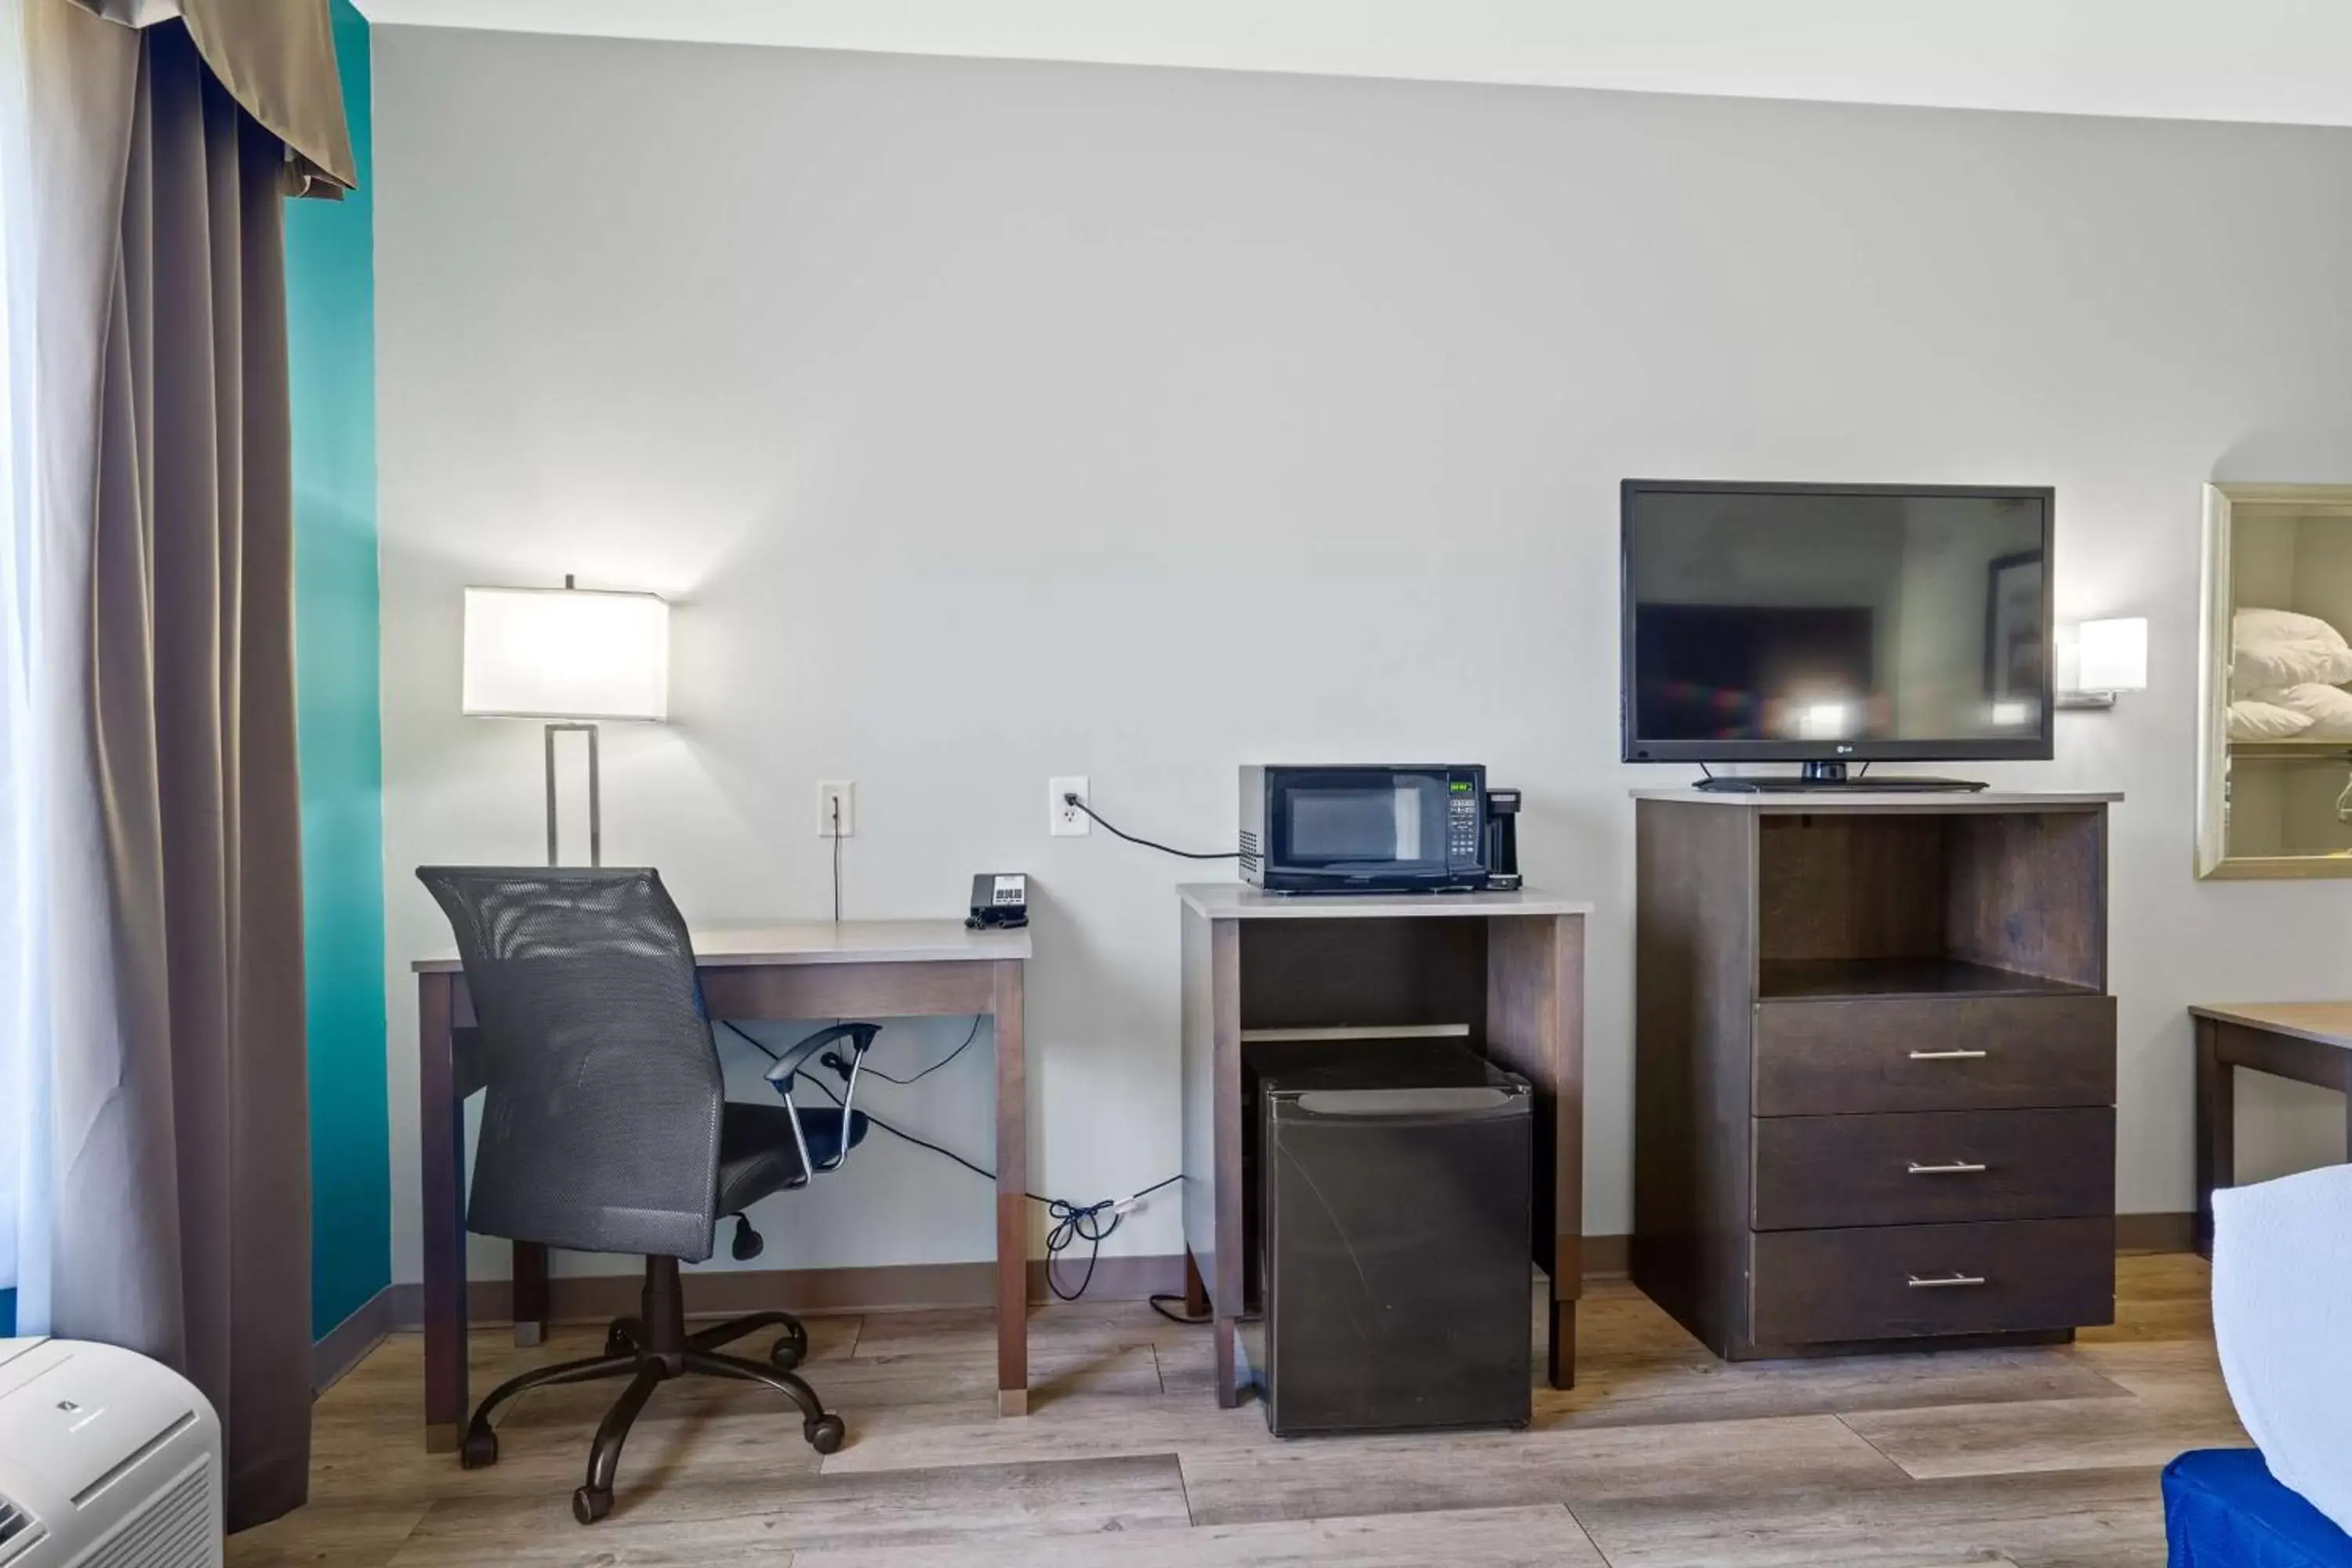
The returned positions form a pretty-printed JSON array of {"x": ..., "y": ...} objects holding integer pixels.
[{"x": 1828, "y": 624}]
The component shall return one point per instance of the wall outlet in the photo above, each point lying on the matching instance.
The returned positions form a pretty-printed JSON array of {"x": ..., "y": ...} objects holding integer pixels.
[
  {"x": 837, "y": 802},
  {"x": 1066, "y": 821}
]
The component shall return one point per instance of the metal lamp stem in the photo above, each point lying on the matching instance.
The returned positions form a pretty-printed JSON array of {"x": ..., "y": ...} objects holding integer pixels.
[{"x": 595, "y": 795}]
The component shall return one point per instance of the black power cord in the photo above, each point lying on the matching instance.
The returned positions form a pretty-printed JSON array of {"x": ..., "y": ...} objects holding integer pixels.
[
  {"x": 1070, "y": 798},
  {"x": 837, "y": 863},
  {"x": 1160, "y": 1305},
  {"x": 1073, "y": 1222},
  {"x": 840, "y": 1064}
]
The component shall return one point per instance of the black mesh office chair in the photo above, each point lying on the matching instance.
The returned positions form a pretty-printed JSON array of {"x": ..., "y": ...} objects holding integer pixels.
[{"x": 605, "y": 1127}]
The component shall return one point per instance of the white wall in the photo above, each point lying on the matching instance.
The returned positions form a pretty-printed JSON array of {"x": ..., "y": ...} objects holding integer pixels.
[
  {"x": 993, "y": 420},
  {"x": 2272, "y": 61}
]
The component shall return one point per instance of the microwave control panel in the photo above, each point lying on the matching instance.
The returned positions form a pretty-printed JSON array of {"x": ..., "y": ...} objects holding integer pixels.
[{"x": 1465, "y": 830}]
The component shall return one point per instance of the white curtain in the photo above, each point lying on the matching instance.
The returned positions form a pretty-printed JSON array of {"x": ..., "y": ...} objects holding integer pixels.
[
  {"x": 67, "y": 85},
  {"x": 24, "y": 1091}
]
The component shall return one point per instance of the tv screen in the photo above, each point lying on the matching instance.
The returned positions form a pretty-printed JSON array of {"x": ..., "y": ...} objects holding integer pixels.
[{"x": 1835, "y": 623}]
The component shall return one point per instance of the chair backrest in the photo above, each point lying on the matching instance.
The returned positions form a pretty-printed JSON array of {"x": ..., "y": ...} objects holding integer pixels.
[{"x": 600, "y": 1122}]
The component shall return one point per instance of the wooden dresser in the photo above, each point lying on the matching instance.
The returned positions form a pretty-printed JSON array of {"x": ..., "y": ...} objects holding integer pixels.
[{"x": 1875, "y": 1069}]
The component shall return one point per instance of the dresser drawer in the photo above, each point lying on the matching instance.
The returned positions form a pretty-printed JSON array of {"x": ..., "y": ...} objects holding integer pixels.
[
  {"x": 1814, "y": 1173},
  {"x": 1938, "y": 1053},
  {"x": 1888, "y": 1282}
]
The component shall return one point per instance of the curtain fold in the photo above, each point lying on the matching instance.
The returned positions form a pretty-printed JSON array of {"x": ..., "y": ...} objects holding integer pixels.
[
  {"x": 163, "y": 532},
  {"x": 277, "y": 59}
]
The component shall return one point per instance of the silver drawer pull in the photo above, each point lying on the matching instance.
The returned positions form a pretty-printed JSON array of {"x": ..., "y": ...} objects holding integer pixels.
[
  {"x": 1946, "y": 1282},
  {"x": 1947, "y": 1056},
  {"x": 1957, "y": 1168}
]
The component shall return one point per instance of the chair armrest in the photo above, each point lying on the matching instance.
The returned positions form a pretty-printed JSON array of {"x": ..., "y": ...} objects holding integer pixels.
[{"x": 795, "y": 1057}]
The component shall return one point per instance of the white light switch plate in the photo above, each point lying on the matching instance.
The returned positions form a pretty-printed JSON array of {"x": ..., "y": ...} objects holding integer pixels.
[
  {"x": 829, "y": 792},
  {"x": 1067, "y": 821}
]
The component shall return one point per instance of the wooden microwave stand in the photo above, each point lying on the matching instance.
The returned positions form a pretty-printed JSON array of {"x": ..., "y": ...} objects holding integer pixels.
[
  {"x": 1504, "y": 971},
  {"x": 1875, "y": 1069}
]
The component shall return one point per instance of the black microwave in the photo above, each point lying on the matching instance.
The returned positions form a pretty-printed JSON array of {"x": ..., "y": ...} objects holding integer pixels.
[{"x": 1364, "y": 829}]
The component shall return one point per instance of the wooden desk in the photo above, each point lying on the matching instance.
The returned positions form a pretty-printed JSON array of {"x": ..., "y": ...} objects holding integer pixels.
[
  {"x": 2310, "y": 1042},
  {"x": 874, "y": 969},
  {"x": 1509, "y": 966}
]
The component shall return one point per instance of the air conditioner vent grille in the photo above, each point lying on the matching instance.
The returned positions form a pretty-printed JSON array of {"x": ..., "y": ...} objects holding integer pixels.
[
  {"x": 176, "y": 1531},
  {"x": 15, "y": 1525}
]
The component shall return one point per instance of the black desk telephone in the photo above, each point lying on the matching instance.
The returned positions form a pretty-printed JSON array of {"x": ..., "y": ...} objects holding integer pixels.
[{"x": 1000, "y": 900}]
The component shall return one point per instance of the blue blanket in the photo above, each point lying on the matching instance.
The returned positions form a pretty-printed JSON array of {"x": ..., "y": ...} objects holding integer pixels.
[{"x": 2223, "y": 1509}]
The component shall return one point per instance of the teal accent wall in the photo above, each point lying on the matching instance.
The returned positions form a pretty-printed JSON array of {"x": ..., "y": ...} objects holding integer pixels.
[{"x": 331, "y": 311}]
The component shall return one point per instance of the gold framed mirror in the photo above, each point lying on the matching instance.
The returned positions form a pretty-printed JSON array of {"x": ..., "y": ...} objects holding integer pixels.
[{"x": 2274, "y": 684}]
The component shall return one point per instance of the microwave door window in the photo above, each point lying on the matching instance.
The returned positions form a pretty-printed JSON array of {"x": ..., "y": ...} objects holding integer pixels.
[
  {"x": 1407, "y": 801},
  {"x": 1354, "y": 828},
  {"x": 1341, "y": 827}
]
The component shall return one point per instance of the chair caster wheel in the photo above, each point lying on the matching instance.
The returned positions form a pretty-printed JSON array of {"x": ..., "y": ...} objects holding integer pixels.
[
  {"x": 479, "y": 1450},
  {"x": 825, "y": 1433},
  {"x": 590, "y": 1504},
  {"x": 788, "y": 1353}
]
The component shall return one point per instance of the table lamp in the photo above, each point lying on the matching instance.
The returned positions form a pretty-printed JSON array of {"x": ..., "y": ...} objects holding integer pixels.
[{"x": 571, "y": 656}]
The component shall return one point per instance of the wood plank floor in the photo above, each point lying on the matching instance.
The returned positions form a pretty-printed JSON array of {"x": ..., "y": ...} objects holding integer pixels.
[{"x": 1661, "y": 1457}]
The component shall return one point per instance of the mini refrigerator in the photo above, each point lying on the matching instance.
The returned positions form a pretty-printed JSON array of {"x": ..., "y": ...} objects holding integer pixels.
[{"x": 1394, "y": 1187}]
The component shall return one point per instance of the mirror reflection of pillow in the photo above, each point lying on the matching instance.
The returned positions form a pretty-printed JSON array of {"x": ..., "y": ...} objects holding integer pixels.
[
  {"x": 2329, "y": 708},
  {"x": 2252, "y": 720},
  {"x": 2273, "y": 649},
  {"x": 2253, "y": 627},
  {"x": 2265, "y": 668}
]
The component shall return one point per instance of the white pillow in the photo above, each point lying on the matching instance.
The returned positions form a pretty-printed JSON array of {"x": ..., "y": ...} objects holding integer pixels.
[
  {"x": 2282, "y": 1327},
  {"x": 2273, "y": 649},
  {"x": 2250, "y": 720},
  {"x": 2253, "y": 627},
  {"x": 2265, "y": 668},
  {"x": 2329, "y": 707}
]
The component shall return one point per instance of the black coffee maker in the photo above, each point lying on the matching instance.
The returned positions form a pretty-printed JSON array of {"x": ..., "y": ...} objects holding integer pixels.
[{"x": 1503, "y": 840}]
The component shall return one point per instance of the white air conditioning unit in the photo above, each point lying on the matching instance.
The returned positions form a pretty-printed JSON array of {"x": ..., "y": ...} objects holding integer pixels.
[{"x": 107, "y": 1460}]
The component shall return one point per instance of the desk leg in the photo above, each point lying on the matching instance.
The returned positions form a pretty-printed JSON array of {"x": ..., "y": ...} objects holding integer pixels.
[
  {"x": 1559, "y": 1369},
  {"x": 530, "y": 1294},
  {"x": 2217, "y": 1145},
  {"x": 1229, "y": 1392},
  {"x": 1012, "y": 1188},
  {"x": 441, "y": 1124},
  {"x": 1196, "y": 1290}
]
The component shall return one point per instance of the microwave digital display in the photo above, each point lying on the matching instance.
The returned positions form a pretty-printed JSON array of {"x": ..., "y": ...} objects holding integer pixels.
[{"x": 1364, "y": 828}]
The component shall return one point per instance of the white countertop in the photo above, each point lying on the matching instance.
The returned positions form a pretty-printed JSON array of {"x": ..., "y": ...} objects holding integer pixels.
[
  {"x": 1240, "y": 901},
  {"x": 734, "y": 946},
  {"x": 1878, "y": 800}
]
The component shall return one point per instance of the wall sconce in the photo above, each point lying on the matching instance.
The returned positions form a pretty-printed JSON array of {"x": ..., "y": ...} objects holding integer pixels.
[{"x": 2099, "y": 658}]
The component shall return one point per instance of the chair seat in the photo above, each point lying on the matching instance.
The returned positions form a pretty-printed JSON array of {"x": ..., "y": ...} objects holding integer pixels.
[{"x": 757, "y": 1154}]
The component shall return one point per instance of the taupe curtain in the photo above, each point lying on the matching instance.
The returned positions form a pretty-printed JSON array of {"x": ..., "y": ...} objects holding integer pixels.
[
  {"x": 277, "y": 59},
  {"x": 179, "y": 1167}
]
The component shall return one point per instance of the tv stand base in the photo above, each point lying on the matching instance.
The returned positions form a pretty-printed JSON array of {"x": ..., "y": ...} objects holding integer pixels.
[{"x": 1832, "y": 777}]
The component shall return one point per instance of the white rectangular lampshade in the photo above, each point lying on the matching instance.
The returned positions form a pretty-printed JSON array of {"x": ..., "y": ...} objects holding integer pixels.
[
  {"x": 566, "y": 653},
  {"x": 2113, "y": 656}
]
